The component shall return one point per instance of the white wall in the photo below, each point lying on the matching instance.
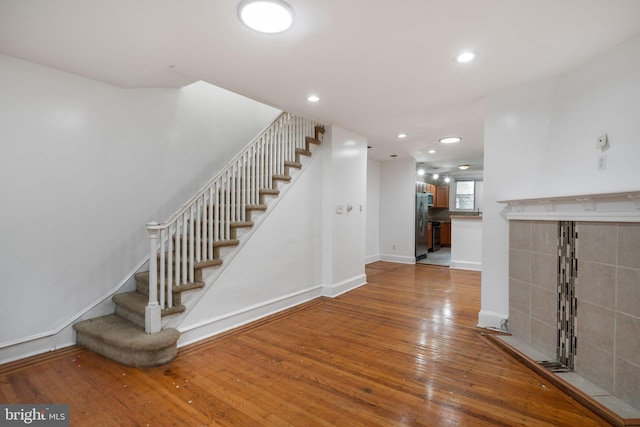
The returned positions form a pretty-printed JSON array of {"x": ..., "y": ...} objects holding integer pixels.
[
  {"x": 397, "y": 211},
  {"x": 345, "y": 185},
  {"x": 373, "y": 211},
  {"x": 279, "y": 266},
  {"x": 83, "y": 166},
  {"x": 302, "y": 249},
  {"x": 540, "y": 141}
]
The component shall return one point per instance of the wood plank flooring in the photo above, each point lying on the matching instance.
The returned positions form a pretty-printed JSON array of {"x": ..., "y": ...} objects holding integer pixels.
[{"x": 401, "y": 351}]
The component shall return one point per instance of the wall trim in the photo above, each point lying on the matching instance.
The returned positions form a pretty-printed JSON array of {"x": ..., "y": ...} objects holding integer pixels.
[
  {"x": 333, "y": 291},
  {"x": 401, "y": 259},
  {"x": 225, "y": 322},
  {"x": 466, "y": 265},
  {"x": 607, "y": 207},
  {"x": 372, "y": 258},
  {"x": 491, "y": 319},
  {"x": 72, "y": 319}
]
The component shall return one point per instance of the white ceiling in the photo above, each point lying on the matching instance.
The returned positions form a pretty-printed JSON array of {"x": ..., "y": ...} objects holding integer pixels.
[{"x": 379, "y": 67}]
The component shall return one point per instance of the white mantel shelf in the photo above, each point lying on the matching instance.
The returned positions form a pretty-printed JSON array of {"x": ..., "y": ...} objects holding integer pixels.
[{"x": 616, "y": 207}]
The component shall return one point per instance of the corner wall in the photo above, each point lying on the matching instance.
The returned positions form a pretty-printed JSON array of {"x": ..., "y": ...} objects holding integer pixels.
[{"x": 397, "y": 211}]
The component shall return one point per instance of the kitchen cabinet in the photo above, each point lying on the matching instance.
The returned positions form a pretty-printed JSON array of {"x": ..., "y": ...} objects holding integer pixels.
[
  {"x": 445, "y": 234},
  {"x": 441, "y": 197},
  {"x": 431, "y": 189}
]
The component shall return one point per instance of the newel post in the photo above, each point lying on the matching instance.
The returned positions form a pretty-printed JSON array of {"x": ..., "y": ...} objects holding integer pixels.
[{"x": 152, "y": 316}]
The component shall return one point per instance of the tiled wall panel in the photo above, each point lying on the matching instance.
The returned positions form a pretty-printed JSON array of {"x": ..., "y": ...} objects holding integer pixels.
[{"x": 607, "y": 288}]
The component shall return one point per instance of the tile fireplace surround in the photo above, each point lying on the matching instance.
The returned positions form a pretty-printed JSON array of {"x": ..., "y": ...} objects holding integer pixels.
[{"x": 607, "y": 284}]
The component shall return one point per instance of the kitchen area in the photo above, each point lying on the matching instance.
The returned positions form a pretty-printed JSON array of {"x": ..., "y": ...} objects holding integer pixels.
[{"x": 448, "y": 222}]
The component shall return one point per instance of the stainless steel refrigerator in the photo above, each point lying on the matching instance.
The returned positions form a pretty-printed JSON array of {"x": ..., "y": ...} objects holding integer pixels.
[{"x": 422, "y": 243}]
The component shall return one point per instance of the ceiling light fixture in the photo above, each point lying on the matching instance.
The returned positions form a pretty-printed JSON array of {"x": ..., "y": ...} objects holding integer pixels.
[
  {"x": 313, "y": 98},
  {"x": 402, "y": 135},
  {"x": 450, "y": 139},
  {"x": 266, "y": 16},
  {"x": 436, "y": 176},
  {"x": 432, "y": 151},
  {"x": 465, "y": 57},
  {"x": 447, "y": 179},
  {"x": 463, "y": 167},
  {"x": 420, "y": 172}
]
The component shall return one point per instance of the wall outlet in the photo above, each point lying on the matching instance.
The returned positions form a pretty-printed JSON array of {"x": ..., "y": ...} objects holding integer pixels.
[{"x": 602, "y": 162}]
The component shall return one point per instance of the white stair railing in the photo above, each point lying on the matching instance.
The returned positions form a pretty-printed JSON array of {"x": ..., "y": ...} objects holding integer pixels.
[{"x": 191, "y": 235}]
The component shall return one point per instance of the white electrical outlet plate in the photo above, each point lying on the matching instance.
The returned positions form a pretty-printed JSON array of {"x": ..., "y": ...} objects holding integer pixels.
[{"x": 602, "y": 162}]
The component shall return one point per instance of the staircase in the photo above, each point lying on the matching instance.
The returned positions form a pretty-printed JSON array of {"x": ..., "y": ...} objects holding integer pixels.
[{"x": 191, "y": 243}]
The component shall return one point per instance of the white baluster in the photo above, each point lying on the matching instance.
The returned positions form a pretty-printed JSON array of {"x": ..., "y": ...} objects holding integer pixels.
[
  {"x": 185, "y": 248},
  {"x": 152, "y": 312},
  {"x": 170, "y": 235},
  {"x": 162, "y": 268},
  {"x": 199, "y": 223},
  {"x": 191, "y": 238}
]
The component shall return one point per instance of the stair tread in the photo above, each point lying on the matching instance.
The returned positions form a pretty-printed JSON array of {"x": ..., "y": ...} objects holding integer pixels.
[
  {"x": 282, "y": 177},
  {"x": 118, "y": 332},
  {"x": 296, "y": 165},
  {"x": 136, "y": 302},
  {"x": 271, "y": 191},
  {"x": 312, "y": 140},
  {"x": 260, "y": 207},
  {"x": 303, "y": 151},
  {"x": 143, "y": 277}
]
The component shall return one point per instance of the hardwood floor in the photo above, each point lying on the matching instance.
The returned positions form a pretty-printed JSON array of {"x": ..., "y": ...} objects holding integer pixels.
[{"x": 402, "y": 350}]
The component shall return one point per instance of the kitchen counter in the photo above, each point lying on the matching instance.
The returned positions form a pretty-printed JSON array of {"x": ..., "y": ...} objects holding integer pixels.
[{"x": 466, "y": 242}]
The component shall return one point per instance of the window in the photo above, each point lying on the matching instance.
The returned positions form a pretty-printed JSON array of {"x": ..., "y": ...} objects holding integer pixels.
[{"x": 468, "y": 195}]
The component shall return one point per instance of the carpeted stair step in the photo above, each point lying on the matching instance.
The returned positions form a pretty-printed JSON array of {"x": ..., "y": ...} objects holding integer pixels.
[
  {"x": 131, "y": 306},
  {"x": 285, "y": 178},
  {"x": 120, "y": 340},
  {"x": 265, "y": 192},
  {"x": 142, "y": 286}
]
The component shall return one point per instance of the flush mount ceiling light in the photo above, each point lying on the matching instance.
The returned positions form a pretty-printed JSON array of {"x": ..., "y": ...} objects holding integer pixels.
[
  {"x": 432, "y": 151},
  {"x": 420, "y": 172},
  {"x": 450, "y": 139},
  {"x": 465, "y": 56},
  {"x": 313, "y": 98},
  {"x": 436, "y": 176},
  {"x": 463, "y": 167},
  {"x": 402, "y": 135},
  {"x": 266, "y": 16}
]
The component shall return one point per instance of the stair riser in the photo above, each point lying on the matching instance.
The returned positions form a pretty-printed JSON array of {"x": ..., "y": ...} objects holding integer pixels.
[
  {"x": 131, "y": 316},
  {"x": 137, "y": 358}
]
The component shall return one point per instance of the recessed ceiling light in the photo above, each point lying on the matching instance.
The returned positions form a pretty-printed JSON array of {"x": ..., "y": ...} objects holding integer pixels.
[
  {"x": 313, "y": 98},
  {"x": 420, "y": 172},
  {"x": 450, "y": 139},
  {"x": 436, "y": 176},
  {"x": 402, "y": 135},
  {"x": 432, "y": 151},
  {"x": 266, "y": 16},
  {"x": 465, "y": 56},
  {"x": 463, "y": 167},
  {"x": 447, "y": 179}
]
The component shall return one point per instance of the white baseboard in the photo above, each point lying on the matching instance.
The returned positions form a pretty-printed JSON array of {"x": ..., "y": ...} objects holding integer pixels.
[
  {"x": 372, "y": 258},
  {"x": 401, "y": 259},
  {"x": 466, "y": 265},
  {"x": 21, "y": 350},
  {"x": 228, "y": 321},
  {"x": 491, "y": 319},
  {"x": 333, "y": 291}
]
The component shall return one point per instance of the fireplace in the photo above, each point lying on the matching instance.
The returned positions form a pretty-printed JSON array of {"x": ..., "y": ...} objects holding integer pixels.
[{"x": 574, "y": 288}]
